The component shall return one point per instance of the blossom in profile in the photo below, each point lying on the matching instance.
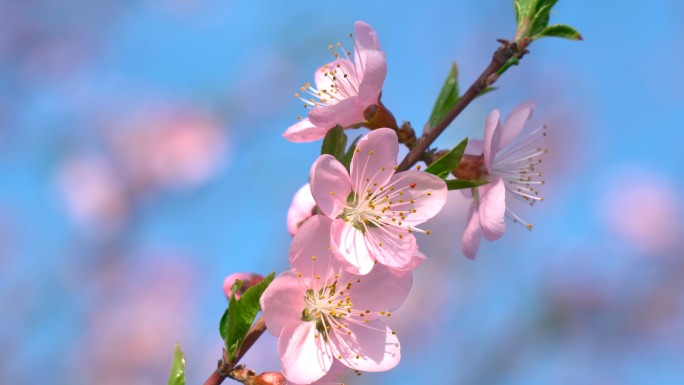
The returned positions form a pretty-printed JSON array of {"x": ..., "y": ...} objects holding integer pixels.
[
  {"x": 508, "y": 160},
  {"x": 321, "y": 313},
  {"x": 303, "y": 206},
  {"x": 343, "y": 89},
  {"x": 375, "y": 210}
]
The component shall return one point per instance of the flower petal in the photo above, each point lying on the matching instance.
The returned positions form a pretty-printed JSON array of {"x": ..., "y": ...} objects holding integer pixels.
[
  {"x": 365, "y": 37},
  {"x": 330, "y": 185},
  {"x": 391, "y": 246},
  {"x": 374, "y": 73},
  {"x": 304, "y": 357},
  {"x": 470, "y": 241},
  {"x": 417, "y": 260},
  {"x": 474, "y": 147},
  {"x": 310, "y": 249},
  {"x": 305, "y": 131},
  {"x": 415, "y": 190},
  {"x": 282, "y": 302},
  {"x": 515, "y": 122},
  {"x": 491, "y": 137},
  {"x": 301, "y": 208},
  {"x": 492, "y": 209},
  {"x": 374, "y": 160},
  {"x": 372, "y": 342},
  {"x": 380, "y": 290},
  {"x": 349, "y": 245},
  {"x": 346, "y": 112}
]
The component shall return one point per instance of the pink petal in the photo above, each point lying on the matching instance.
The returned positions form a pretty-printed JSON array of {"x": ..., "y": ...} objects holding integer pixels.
[
  {"x": 365, "y": 37},
  {"x": 282, "y": 302},
  {"x": 492, "y": 209},
  {"x": 248, "y": 280},
  {"x": 378, "y": 349},
  {"x": 515, "y": 122},
  {"x": 310, "y": 248},
  {"x": 380, "y": 290},
  {"x": 349, "y": 245},
  {"x": 470, "y": 241},
  {"x": 474, "y": 147},
  {"x": 374, "y": 160},
  {"x": 491, "y": 137},
  {"x": 330, "y": 185},
  {"x": 346, "y": 112},
  {"x": 417, "y": 260},
  {"x": 305, "y": 131},
  {"x": 414, "y": 186},
  {"x": 374, "y": 72},
  {"x": 388, "y": 248},
  {"x": 301, "y": 208},
  {"x": 304, "y": 358}
]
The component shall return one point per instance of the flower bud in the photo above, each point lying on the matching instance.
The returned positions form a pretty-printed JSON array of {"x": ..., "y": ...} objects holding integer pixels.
[{"x": 248, "y": 280}]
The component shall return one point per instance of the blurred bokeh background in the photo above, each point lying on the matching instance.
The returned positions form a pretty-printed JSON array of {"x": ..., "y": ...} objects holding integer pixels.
[{"x": 141, "y": 162}]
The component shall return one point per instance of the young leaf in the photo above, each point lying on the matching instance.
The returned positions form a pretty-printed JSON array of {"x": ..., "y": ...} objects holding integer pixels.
[
  {"x": 448, "y": 96},
  {"x": 559, "y": 30},
  {"x": 458, "y": 184},
  {"x": 346, "y": 160},
  {"x": 449, "y": 162},
  {"x": 334, "y": 143},
  {"x": 177, "y": 376},
  {"x": 223, "y": 325},
  {"x": 241, "y": 314}
]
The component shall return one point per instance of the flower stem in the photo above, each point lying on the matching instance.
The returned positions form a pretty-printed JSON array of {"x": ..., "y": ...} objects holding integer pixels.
[
  {"x": 224, "y": 368},
  {"x": 501, "y": 57}
]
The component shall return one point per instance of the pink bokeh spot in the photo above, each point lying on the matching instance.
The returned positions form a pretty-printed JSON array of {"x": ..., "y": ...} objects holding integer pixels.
[
  {"x": 376, "y": 222},
  {"x": 343, "y": 89},
  {"x": 321, "y": 313}
]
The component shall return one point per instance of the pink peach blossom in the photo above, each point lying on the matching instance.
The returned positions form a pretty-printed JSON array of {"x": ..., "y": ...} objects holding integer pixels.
[
  {"x": 510, "y": 167},
  {"x": 344, "y": 89},
  {"x": 302, "y": 208},
  {"x": 375, "y": 211},
  {"x": 322, "y": 313}
]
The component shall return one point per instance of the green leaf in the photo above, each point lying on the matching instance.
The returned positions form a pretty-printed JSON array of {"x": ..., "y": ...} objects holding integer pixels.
[
  {"x": 458, "y": 184},
  {"x": 447, "y": 97},
  {"x": 177, "y": 376},
  {"x": 524, "y": 9},
  {"x": 334, "y": 143},
  {"x": 223, "y": 326},
  {"x": 559, "y": 30},
  {"x": 486, "y": 91},
  {"x": 449, "y": 162},
  {"x": 346, "y": 160},
  {"x": 241, "y": 314}
]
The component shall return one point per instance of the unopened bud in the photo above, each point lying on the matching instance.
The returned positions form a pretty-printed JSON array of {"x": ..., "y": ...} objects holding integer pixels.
[
  {"x": 267, "y": 378},
  {"x": 248, "y": 280}
]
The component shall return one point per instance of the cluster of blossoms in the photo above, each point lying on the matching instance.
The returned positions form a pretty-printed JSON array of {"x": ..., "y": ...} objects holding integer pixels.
[{"x": 354, "y": 245}]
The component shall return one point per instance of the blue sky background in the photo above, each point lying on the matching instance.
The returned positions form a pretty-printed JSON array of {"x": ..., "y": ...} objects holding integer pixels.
[{"x": 591, "y": 296}]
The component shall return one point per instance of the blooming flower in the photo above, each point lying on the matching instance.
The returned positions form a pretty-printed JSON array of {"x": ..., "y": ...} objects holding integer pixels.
[
  {"x": 303, "y": 206},
  {"x": 375, "y": 210},
  {"x": 510, "y": 167},
  {"x": 343, "y": 88},
  {"x": 322, "y": 313}
]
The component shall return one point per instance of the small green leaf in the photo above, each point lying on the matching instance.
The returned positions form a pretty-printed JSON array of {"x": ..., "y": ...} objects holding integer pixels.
[
  {"x": 486, "y": 91},
  {"x": 541, "y": 17},
  {"x": 334, "y": 143},
  {"x": 458, "y": 184},
  {"x": 223, "y": 325},
  {"x": 177, "y": 376},
  {"x": 241, "y": 314},
  {"x": 449, "y": 162},
  {"x": 448, "y": 96},
  {"x": 346, "y": 161},
  {"x": 524, "y": 9},
  {"x": 559, "y": 30}
]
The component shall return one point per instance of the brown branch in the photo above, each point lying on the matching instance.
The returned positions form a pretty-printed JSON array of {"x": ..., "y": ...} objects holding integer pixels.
[
  {"x": 500, "y": 59},
  {"x": 224, "y": 368}
]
